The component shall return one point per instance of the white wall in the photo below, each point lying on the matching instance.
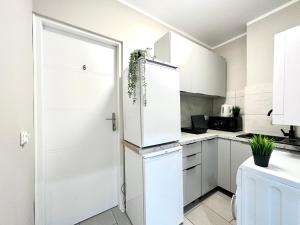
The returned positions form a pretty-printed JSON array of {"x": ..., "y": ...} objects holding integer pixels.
[
  {"x": 235, "y": 54},
  {"x": 258, "y": 93},
  {"x": 16, "y": 113},
  {"x": 106, "y": 17}
]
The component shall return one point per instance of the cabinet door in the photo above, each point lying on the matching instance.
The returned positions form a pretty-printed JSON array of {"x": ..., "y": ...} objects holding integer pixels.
[
  {"x": 183, "y": 55},
  {"x": 209, "y": 165},
  {"x": 292, "y": 77},
  {"x": 191, "y": 184},
  {"x": 211, "y": 75},
  {"x": 240, "y": 151},
  {"x": 224, "y": 163},
  {"x": 286, "y": 77}
]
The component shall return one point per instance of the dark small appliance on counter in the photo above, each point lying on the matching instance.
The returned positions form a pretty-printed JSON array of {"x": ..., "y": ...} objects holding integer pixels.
[
  {"x": 199, "y": 125},
  {"x": 232, "y": 124}
]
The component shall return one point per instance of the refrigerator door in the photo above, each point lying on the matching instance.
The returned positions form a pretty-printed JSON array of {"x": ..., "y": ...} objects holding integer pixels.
[
  {"x": 163, "y": 189},
  {"x": 161, "y": 114}
]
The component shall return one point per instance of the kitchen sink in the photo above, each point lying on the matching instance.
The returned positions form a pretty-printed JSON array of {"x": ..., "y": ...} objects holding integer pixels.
[
  {"x": 277, "y": 139},
  {"x": 251, "y": 135}
]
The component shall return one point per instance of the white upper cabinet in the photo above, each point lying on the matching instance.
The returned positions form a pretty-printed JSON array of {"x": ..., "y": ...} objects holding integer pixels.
[
  {"x": 201, "y": 70},
  {"x": 286, "y": 79}
]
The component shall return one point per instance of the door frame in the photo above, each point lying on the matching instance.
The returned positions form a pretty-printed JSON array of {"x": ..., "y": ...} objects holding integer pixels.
[{"x": 39, "y": 22}]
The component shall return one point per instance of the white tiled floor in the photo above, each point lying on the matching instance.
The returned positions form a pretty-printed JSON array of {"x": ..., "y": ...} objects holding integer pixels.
[
  {"x": 214, "y": 210},
  {"x": 111, "y": 217}
]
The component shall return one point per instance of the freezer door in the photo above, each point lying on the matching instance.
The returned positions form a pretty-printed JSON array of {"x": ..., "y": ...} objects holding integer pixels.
[{"x": 161, "y": 113}]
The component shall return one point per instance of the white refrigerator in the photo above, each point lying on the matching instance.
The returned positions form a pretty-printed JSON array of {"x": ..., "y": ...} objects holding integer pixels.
[
  {"x": 153, "y": 180},
  {"x": 269, "y": 196},
  {"x": 155, "y": 116}
]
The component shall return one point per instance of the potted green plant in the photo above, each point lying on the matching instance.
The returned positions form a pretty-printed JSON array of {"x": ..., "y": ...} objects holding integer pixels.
[
  {"x": 236, "y": 111},
  {"x": 262, "y": 149},
  {"x": 136, "y": 71}
]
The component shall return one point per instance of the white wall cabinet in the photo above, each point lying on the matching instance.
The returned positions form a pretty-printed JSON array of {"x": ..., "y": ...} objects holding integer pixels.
[
  {"x": 240, "y": 151},
  {"x": 224, "y": 163},
  {"x": 286, "y": 78},
  {"x": 201, "y": 70},
  {"x": 209, "y": 165}
]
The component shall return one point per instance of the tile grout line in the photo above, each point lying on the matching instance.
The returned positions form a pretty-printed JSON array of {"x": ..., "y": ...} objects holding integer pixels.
[
  {"x": 114, "y": 217},
  {"x": 216, "y": 213},
  {"x": 189, "y": 220}
]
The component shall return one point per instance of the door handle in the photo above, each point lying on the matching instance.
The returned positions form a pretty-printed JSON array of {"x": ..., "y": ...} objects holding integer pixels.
[{"x": 113, "y": 120}]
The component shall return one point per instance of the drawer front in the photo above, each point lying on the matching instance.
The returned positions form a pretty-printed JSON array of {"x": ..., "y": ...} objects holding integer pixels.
[
  {"x": 191, "y": 160},
  {"x": 191, "y": 149},
  {"x": 191, "y": 184}
]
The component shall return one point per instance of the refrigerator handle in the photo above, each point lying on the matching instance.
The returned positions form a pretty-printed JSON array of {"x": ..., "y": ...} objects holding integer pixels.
[{"x": 233, "y": 206}]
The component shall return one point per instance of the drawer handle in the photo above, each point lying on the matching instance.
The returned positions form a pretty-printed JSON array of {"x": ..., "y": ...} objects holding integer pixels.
[
  {"x": 191, "y": 143},
  {"x": 188, "y": 156},
  {"x": 191, "y": 167}
]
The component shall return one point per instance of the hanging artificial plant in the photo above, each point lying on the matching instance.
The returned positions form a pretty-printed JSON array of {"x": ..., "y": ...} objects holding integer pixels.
[{"x": 136, "y": 71}]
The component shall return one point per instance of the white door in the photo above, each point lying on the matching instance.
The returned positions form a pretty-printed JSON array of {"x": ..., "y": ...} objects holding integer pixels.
[{"x": 77, "y": 93}]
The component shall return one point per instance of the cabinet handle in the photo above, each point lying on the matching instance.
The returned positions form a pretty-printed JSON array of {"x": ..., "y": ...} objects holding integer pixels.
[
  {"x": 191, "y": 143},
  {"x": 191, "y": 167},
  {"x": 188, "y": 156}
]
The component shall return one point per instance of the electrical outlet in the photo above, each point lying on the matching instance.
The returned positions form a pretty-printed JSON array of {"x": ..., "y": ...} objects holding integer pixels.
[{"x": 24, "y": 138}]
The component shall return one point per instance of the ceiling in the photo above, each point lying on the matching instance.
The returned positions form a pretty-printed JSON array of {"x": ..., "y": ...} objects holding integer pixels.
[{"x": 208, "y": 21}]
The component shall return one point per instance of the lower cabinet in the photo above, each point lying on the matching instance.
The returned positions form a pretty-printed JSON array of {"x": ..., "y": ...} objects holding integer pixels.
[
  {"x": 240, "y": 151},
  {"x": 224, "y": 163},
  {"x": 209, "y": 165},
  {"x": 191, "y": 184},
  {"x": 191, "y": 164}
]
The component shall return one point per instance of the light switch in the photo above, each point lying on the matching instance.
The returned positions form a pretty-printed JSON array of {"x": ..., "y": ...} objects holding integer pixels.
[{"x": 24, "y": 138}]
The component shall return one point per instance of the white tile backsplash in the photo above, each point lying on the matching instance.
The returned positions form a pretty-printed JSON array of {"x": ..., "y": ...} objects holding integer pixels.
[
  {"x": 232, "y": 98},
  {"x": 258, "y": 101}
]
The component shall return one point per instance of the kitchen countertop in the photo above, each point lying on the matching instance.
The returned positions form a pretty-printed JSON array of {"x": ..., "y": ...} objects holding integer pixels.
[
  {"x": 187, "y": 138},
  {"x": 152, "y": 149}
]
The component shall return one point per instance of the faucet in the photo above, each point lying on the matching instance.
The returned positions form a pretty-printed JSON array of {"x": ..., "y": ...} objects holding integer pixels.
[
  {"x": 269, "y": 113},
  {"x": 290, "y": 134}
]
